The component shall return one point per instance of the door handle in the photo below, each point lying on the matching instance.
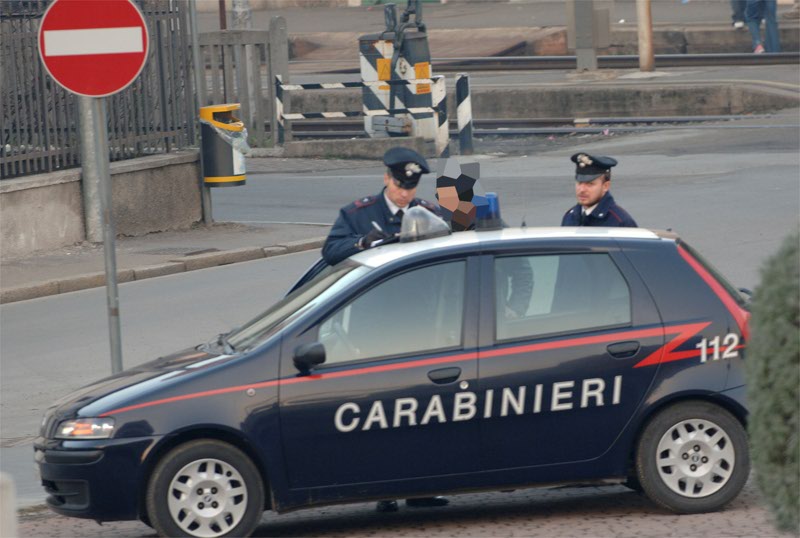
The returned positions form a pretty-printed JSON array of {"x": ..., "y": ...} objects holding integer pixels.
[
  {"x": 623, "y": 350},
  {"x": 444, "y": 375}
]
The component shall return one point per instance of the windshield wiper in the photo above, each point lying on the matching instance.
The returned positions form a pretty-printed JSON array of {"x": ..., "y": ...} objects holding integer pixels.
[
  {"x": 219, "y": 341},
  {"x": 227, "y": 347}
]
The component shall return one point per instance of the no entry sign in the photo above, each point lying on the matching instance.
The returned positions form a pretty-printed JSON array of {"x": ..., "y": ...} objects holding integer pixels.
[{"x": 93, "y": 48}]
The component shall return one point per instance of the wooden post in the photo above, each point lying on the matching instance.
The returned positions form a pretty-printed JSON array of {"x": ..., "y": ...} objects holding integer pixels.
[{"x": 644, "y": 23}]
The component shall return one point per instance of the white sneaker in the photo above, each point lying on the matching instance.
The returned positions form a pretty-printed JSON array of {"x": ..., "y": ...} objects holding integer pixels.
[{"x": 738, "y": 25}]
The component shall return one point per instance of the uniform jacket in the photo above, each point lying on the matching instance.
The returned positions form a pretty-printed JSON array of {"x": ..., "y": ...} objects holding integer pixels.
[
  {"x": 355, "y": 221},
  {"x": 607, "y": 213}
]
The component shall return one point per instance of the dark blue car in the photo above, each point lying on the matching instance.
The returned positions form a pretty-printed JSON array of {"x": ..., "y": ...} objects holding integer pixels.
[{"x": 481, "y": 360}]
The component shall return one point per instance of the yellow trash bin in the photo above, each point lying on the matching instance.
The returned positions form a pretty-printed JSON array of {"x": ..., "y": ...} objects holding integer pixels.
[{"x": 224, "y": 144}]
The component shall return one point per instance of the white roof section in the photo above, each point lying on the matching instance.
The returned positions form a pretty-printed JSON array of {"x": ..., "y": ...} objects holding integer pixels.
[{"x": 388, "y": 253}]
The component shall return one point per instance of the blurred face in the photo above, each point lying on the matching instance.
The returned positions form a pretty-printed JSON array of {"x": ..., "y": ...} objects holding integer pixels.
[
  {"x": 589, "y": 193},
  {"x": 399, "y": 196}
]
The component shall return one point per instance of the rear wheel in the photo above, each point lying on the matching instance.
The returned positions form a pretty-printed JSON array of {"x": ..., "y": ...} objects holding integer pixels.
[
  {"x": 692, "y": 457},
  {"x": 205, "y": 489}
]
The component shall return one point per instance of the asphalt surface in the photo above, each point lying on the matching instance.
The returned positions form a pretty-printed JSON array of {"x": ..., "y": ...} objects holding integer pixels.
[{"x": 589, "y": 512}]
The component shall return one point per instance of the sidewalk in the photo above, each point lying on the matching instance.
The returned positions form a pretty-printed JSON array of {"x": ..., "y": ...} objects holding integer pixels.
[{"x": 83, "y": 266}]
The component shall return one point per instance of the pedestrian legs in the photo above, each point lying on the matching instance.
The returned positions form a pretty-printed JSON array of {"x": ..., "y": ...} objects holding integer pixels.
[
  {"x": 752, "y": 16},
  {"x": 772, "y": 40},
  {"x": 737, "y": 12}
]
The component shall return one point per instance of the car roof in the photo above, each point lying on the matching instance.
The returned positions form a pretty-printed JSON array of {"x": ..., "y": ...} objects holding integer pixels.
[{"x": 388, "y": 253}]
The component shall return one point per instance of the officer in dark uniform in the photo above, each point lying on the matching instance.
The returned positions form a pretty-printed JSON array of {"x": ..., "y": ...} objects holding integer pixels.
[
  {"x": 596, "y": 206},
  {"x": 375, "y": 218},
  {"x": 378, "y": 217}
]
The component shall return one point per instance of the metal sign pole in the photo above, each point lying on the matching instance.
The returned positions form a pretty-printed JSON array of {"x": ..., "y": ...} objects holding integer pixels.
[
  {"x": 94, "y": 161},
  {"x": 199, "y": 74}
]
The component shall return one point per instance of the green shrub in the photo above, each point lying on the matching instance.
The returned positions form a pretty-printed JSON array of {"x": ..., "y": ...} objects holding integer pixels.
[{"x": 773, "y": 377}]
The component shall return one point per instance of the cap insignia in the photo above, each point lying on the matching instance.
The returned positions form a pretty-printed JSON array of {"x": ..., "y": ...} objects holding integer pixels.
[
  {"x": 584, "y": 160},
  {"x": 412, "y": 168}
]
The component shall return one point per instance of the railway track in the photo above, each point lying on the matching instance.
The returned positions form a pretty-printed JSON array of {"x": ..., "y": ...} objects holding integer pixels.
[
  {"x": 534, "y": 63},
  {"x": 353, "y": 128}
]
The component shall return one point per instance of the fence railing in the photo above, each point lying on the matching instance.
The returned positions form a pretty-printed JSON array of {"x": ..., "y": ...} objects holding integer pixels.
[
  {"x": 235, "y": 64},
  {"x": 237, "y": 68},
  {"x": 39, "y": 119}
]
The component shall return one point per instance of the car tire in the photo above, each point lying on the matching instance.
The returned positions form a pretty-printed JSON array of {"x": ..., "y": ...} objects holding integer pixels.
[
  {"x": 692, "y": 457},
  {"x": 205, "y": 488}
]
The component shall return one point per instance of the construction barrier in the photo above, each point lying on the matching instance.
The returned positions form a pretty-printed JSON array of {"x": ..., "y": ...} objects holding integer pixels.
[
  {"x": 464, "y": 114},
  {"x": 438, "y": 111}
]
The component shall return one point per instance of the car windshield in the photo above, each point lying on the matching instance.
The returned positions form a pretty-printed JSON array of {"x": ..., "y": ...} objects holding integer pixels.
[{"x": 324, "y": 285}]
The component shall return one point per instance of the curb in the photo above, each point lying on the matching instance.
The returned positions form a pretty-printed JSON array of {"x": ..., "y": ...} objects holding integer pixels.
[{"x": 171, "y": 267}]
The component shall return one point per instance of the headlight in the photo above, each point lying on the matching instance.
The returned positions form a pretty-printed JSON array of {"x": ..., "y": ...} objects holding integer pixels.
[{"x": 86, "y": 428}]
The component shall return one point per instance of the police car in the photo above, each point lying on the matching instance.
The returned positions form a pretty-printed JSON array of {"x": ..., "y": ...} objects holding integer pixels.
[{"x": 481, "y": 360}]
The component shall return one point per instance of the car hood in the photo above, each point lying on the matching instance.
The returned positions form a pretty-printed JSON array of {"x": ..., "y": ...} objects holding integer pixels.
[{"x": 131, "y": 381}]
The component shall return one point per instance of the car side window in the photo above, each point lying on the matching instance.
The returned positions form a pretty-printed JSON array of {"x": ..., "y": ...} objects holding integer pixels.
[
  {"x": 417, "y": 311},
  {"x": 539, "y": 295}
]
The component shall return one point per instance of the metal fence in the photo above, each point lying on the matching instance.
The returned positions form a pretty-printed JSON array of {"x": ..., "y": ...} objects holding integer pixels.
[
  {"x": 39, "y": 119},
  {"x": 235, "y": 63}
]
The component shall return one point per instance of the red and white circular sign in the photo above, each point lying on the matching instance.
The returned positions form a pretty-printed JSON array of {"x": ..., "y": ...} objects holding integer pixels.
[{"x": 93, "y": 48}]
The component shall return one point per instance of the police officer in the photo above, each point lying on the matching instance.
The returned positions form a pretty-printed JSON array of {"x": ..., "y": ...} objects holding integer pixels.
[
  {"x": 596, "y": 206},
  {"x": 378, "y": 217}
]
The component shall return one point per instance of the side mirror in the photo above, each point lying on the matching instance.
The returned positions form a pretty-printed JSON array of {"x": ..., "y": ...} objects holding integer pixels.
[
  {"x": 747, "y": 292},
  {"x": 307, "y": 356}
]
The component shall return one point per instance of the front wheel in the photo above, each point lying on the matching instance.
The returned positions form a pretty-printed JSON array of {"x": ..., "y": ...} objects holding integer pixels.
[
  {"x": 692, "y": 457},
  {"x": 205, "y": 489}
]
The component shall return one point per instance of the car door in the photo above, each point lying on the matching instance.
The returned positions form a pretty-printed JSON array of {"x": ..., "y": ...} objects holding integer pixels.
[
  {"x": 558, "y": 375},
  {"x": 398, "y": 351}
]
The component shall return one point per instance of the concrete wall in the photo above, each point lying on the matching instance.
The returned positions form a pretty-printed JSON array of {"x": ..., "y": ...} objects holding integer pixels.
[
  {"x": 696, "y": 40},
  {"x": 599, "y": 101},
  {"x": 150, "y": 194},
  {"x": 584, "y": 100},
  {"x": 369, "y": 148},
  {"x": 24, "y": 204},
  {"x": 155, "y": 194}
]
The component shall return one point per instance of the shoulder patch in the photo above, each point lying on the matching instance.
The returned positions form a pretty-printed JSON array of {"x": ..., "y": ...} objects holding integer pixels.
[
  {"x": 360, "y": 203},
  {"x": 366, "y": 201},
  {"x": 426, "y": 204}
]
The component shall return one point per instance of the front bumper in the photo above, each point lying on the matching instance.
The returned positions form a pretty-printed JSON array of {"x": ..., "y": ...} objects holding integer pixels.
[{"x": 99, "y": 479}]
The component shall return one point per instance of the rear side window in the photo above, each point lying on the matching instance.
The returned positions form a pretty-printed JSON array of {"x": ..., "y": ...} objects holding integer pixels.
[
  {"x": 729, "y": 289},
  {"x": 539, "y": 295}
]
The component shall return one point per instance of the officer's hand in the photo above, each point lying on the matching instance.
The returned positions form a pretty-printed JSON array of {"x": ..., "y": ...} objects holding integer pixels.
[{"x": 372, "y": 236}]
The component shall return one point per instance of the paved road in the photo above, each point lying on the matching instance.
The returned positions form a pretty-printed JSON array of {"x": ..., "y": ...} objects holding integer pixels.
[
  {"x": 732, "y": 193},
  {"x": 592, "y": 512},
  {"x": 54, "y": 345}
]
